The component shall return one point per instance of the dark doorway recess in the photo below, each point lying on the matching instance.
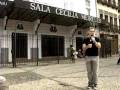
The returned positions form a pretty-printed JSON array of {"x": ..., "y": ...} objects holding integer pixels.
[
  {"x": 79, "y": 42},
  {"x": 52, "y": 45},
  {"x": 19, "y": 45}
]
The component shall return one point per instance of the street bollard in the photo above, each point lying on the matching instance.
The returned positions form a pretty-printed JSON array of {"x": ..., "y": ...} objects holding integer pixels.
[{"x": 3, "y": 83}]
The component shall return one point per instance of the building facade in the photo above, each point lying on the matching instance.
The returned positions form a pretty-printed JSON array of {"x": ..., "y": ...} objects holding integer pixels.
[
  {"x": 107, "y": 10},
  {"x": 31, "y": 29}
]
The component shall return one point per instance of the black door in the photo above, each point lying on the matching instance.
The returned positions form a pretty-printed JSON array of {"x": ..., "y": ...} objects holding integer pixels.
[
  {"x": 52, "y": 45},
  {"x": 79, "y": 42},
  {"x": 19, "y": 45}
]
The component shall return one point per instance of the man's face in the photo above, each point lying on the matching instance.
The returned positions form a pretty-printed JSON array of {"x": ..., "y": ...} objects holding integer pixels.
[{"x": 91, "y": 32}]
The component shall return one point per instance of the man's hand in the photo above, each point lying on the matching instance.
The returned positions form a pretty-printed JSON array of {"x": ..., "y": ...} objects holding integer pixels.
[
  {"x": 89, "y": 46},
  {"x": 84, "y": 46},
  {"x": 93, "y": 39},
  {"x": 98, "y": 44}
]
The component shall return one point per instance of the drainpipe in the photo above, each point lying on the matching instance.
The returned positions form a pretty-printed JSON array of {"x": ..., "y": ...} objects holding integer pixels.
[
  {"x": 5, "y": 20},
  {"x": 36, "y": 32},
  {"x": 58, "y": 50},
  {"x": 8, "y": 15},
  {"x": 73, "y": 32}
]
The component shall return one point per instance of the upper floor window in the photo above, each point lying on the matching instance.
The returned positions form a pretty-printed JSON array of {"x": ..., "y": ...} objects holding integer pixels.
[
  {"x": 88, "y": 3},
  {"x": 106, "y": 18},
  {"x": 101, "y": 16},
  {"x": 105, "y": 0},
  {"x": 114, "y": 2},
  {"x": 88, "y": 11},
  {"x": 111, "y": 20},
  {"x": 110, "y": 1},
  {"x": 119, "y": 22},
  {"x": 115, "y": 21}
]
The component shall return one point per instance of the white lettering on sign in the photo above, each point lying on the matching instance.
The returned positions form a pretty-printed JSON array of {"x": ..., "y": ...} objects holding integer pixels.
[
  {"x": 68, "y": 13},
  {"x": 63, "y": 12},
  {"x": 3, "y": 3},
  {"x": 90, "y": 18},
  {"x": 38, "y": 7}
]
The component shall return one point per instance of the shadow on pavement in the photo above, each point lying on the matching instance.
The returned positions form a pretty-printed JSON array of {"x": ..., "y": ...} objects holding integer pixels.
[{"x": 17, "y": 78}]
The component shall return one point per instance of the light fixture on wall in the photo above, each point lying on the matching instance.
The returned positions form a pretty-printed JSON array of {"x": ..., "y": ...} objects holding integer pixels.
[
  {"x": 20, "y": 26},
  {"x": 53, "y": 28}
]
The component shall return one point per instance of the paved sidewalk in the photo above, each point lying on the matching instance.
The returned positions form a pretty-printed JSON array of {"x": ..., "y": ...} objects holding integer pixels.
[{"x": 70, "y": 76}]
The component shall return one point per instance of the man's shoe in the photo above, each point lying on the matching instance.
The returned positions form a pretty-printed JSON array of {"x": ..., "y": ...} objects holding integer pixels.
[
  {"x": 89, "y": 86},
  {"x": 95, "y": 87}
]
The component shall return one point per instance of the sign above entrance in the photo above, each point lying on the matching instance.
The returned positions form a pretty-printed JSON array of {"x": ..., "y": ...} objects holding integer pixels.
[
  {"x": 58, "y": 11},
  {"x": 64, "y": 12}
]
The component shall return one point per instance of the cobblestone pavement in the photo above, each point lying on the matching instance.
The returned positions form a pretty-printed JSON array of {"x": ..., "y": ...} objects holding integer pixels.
[{"x": 70, "y": 76}]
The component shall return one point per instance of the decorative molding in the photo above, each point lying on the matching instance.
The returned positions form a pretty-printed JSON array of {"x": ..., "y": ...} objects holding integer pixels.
[
  {"x": 109, "y": 4},
  {"x": 20, "y": 26},
  {"x": 53, "y": 28}
]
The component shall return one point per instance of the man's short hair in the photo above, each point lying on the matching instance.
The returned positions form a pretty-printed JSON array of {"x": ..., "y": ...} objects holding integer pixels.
[
  {"x": 71, "y": 45},
  {"x": 91, "y": 29}
]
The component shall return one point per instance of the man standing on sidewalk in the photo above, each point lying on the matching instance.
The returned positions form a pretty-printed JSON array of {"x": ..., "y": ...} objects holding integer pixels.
[
  {"x": 91, "y": 45},
  {"x": 118, "y": 62}
]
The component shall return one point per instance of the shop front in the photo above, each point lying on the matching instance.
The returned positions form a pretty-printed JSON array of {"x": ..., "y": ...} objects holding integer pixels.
[
  {"x": 109, "y": 45},
  {"x": 31, "y": 31}
]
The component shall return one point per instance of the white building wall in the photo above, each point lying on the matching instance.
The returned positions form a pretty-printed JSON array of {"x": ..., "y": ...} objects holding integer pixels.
[
  {"x": 107, "y": 9},
  {"x": 110, "y": 12},
  {"x": 6, "y": 35},
  {"x": 93, "y": 8},
  {"x": 32, "y": 43},
  {"x": 1, "y": 24},
  {"x": 44, "y": 29},
  {"x": 61, "y": 31},
  {"x": 5, "y": 41}
]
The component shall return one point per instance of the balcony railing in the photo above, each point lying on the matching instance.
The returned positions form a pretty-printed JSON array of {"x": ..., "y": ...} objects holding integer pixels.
[
  {"x": 116, "y": 29},
  {"x": 88, "y": 24},
  {"x": 119, "y": 8},
  {"x": 109, "y": 4},
  {"x": 119, "y": 29},
  {"x": 106, "y": 26},
  {"x": 104, "y": 22}
]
